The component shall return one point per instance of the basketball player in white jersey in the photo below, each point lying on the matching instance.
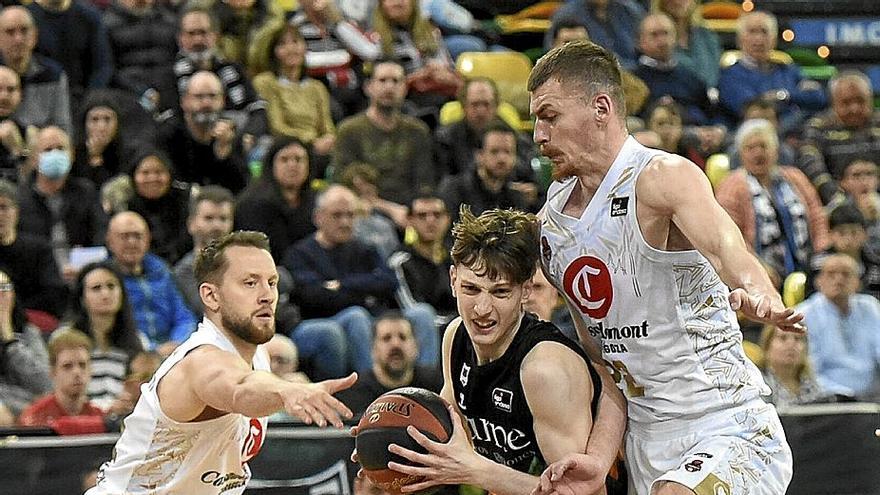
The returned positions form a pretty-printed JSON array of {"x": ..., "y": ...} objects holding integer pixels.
[
  {"x": 203, "y": 414},
  {"x": 644, "y": 255}
]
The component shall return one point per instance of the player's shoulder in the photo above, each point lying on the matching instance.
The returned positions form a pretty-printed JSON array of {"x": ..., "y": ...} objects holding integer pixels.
[
  {"x": 537, "y": 362},
  {"x": 669, "y": 172}
]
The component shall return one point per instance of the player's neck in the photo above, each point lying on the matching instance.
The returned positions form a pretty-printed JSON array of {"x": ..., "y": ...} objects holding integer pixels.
[
  {"x": 595, "y": 163},
  {"x": 494, "y": 352}
]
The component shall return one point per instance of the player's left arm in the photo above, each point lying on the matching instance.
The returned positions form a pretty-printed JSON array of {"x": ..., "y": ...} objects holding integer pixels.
[{"x": 674, "y": 188}]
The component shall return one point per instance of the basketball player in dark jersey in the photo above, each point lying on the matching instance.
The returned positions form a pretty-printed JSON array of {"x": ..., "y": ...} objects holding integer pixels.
[{"x": 526, "y": 393}]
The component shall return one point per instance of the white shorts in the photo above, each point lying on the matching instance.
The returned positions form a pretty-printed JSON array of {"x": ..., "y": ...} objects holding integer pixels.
[{"x": 732, "y": 452}]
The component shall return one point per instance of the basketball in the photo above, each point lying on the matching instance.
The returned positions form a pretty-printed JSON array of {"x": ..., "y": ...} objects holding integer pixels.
[{"x": 384, "y": 422}]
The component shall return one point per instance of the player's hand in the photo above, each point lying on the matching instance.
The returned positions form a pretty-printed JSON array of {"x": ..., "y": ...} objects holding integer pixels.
[
  {"x": 314, "y": 402},
  {"x": 574, "y": 474},
  {"x": 767, "y": 309},
  {"x": 449, "y": 463},
  {"x": 353, "y": 431}
]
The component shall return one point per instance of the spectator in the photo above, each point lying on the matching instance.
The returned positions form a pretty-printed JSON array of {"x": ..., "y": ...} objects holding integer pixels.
[
  {"x": 456, "y": 144},
  {"x": 100, "y": 309},
  {"x": 210, "y": 216},
  {"x": 160, "y": 312},
  {"x": 141, "y": 39},
  {"x": 12, "y": 132},
  {"x": 162, "y": 202},
  {"x": 45, "y": 98},
  {"x": 849, "y": 237},
  {"x": 861, "y": 183},
  {"x": 70, "y": 370},
  {"x": 28, "y": 261},
  {"x": 394, "y": 350},
  {"x": 24, "y": 367},
  {"x": 197, "y": 39},
  {"x": 543, "y": 300},
  {"x": 848, "y": 131},
  {"x": 376, "y": 220},
  {"x": 612, "y": 24},
  {"x": 72, "y": 33},
  {"x": 755, "y": 74},
  {"x": 383, "y": 137},
  {"x": 281, "y": 202},
  {"x": 775, "y": 207},
  {"x": 660, "y": 70},
  {"x": 664, "y": 117},
  {"x": 422, "y": 268},
  {"x": 238, "y": 24},
  {"x": 202, "y": 145},
  {"x": 284, "y": 359},
  {"x": 488, "y": 185},
  {"x": 844, "y": 342},
  {"x": 60, "y": 209},
  {"x": 787, "y": 371},
  {"x": 410, "y": 38},
  {"x": 298, "y": 106},
  {"x": 697, "y": 47},
  {"x": 764, "y": 108},
  {"x": 99, "y": 153}
]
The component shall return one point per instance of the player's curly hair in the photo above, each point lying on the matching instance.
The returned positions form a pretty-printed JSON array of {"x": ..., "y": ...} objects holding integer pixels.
[
  {"x": 498, "y": 243},
  {"x": 211, "y": 262}
]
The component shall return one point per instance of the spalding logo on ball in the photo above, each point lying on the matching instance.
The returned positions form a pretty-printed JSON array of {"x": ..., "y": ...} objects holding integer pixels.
[{"x": 385, "y": 421}]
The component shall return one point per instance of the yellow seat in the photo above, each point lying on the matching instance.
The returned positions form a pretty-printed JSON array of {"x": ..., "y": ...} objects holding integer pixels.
[
  {"x": 453, "y": 112},
  {"x": 509, "y": 71},
  {"x": 730, "y": 57},
  {"x": 754, "y": 352},
  {"x": 717, "y": 168},
  {"x": 794, "y": 288},
  {"x": 720, "y": 16},
  {"x": 532, "y": 19}
]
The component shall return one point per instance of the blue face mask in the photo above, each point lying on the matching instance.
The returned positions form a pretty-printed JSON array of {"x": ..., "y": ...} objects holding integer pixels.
[{"x": 54, "y": 164}]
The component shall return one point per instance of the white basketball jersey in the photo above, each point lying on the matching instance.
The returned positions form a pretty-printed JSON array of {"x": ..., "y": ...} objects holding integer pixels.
[
  {"x": 156, "y": 455},
  {"x": 661, "y": 318}
]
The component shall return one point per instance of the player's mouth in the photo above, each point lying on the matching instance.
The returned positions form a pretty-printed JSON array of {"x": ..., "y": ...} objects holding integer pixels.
[
  {"x": 264, "y": 315},
  {"x": 484, "y": 326}
]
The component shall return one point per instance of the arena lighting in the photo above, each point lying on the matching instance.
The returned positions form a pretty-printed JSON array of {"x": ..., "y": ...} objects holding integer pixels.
[
  {"x": 748, "y": 6},
  {"x": 823, "y": 51},
  {"x": 788, "y": 35}
]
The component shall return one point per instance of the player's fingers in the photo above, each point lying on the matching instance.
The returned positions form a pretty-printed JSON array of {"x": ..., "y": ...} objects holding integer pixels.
[
  {"x": 353, "y": 431},
  {"x": 328, "y": 413},
  {"x": 315, "y": 415},
  {"x": 299, "y": 411},
  {"x": 457, "y": 425},
  {"x": 354, "y": 455},
  {"x": 336, "y": 384},
  {"x": 334, "y": 407},
  {"x": 736, "y": 299},
  {"x": 762, "y": 308},
  {"x": 417, "y": 487},
  {"x": 407, "y": 468}
]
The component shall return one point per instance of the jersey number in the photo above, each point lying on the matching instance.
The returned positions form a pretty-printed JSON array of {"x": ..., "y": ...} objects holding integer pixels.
[{"x": 619, "y": 372}]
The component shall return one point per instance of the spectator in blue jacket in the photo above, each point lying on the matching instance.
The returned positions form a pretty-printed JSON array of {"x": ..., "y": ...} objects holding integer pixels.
[
  {"x": 613, "y": 24},
  {"x": 756, "y": 75},
  {"x": 160, "y": 311}
]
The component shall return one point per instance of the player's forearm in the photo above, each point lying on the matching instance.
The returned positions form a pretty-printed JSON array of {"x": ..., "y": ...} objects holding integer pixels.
[
  {"x": 609, "y": 425},
  {"x": 501, "y": 480},
  {"x": 258, "y": 394},
  {"x": 739, "y": 268}
]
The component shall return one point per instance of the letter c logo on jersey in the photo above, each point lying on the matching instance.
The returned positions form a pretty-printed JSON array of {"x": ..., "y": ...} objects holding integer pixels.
[
  {"x": 587, "y": 282},
  {"x": 254, "y": 440}
]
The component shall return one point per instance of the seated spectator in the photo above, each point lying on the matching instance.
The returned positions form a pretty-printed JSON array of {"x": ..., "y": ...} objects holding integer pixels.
[
  {"x": 24, "y": 369},
  {"x": 202, "y": 144},
  {"x": 73, "y": 34},
  {"x": 395, "y": 350},
  {"x": 408, "y": 37},
  {"x": 755, "y": 74},
  {"x": 12, "y": 132},
  {"x": 284, "y": 359},
  {"x": 848, "y": 131},
  {"x": 660, "y": 70},
  {"x": 861, "y": 183},
  {"x": 376, "y": 220},
  {"x": 238, "y": 24},
  {"x": 697, "y": 47},
  {"x": 764, "y": 108},
  {"x": 210, "y": 216},
  {"x": 29, "y": 262},
  {"x": 100, "y": 309},
  {"x": 70, "y": 367},
  {"x": 422, "y": 268},
  {"x": 849, "y": 237},
  {"x": 298, "y": 106},
  {"x": 787, "y": 371},
  {"x": 394, "y": 143},
  {"x": 45, "y": 96},
  {"x": 281, "y": 202},
  {"x": 543, "y": 300},
  {"x": 844, "y": 342},
  {"x": 162, "y": 202},
  {"x": 56, "y": 207},
  {"x": 336, "y": 48},
  {"x": 198, "y": 37},
  {"x": 488, "y": 185},
  {"x": 612, "y": 24},
  {"x": 99, "y": 153},
  {"x": 141, "y": 39},
  {"x": 140, "y": 369},
  {"x": 160, "y": 311},
  {"x": 456, "y": 144},
  {"x": 775, "y": 206},
  {"x": 664, "y": 117}
]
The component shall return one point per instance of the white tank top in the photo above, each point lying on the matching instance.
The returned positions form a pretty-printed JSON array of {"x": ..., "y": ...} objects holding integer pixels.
[
  {"x": 662, "y": 319},
  {"x": 157, "y": 455}
]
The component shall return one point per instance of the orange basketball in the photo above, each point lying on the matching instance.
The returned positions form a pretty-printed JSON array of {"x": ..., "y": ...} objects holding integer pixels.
[{"x": 385, "y": 421}]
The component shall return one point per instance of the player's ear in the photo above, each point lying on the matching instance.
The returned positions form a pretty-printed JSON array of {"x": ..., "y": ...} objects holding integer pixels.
[
  {"x": 602, "y": 106},
  {"x": 210, "y": 297}
]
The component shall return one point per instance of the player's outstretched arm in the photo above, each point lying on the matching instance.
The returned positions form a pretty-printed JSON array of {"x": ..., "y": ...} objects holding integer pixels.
[
  {"x": 224, "y": 382},
  {"x": 675, "y": 188}
]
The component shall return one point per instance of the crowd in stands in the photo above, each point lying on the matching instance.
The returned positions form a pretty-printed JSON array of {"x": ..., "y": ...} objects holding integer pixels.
[{"x": 134, "y": 132}]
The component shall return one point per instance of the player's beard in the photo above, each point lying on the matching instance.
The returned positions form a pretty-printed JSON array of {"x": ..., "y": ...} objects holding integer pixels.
[
  {"x": 245, "y": 329},
  {"x": 562, "y": 171}
]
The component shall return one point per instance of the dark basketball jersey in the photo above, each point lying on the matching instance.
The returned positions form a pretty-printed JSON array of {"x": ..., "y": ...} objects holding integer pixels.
[{"x": 491, "y": 396}]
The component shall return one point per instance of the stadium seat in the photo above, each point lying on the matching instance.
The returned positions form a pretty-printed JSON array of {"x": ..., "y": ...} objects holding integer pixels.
[
  {"x": 717, "y": 168},
  {"x": 730, "y": 57},
  {"x": 509, "y": 71},
  {"x": 754, "y": 352},
  {"x": 794, "y": 288},
  {"x": 453, "y": 112},
  {"x": 721, "y": 16},
  {"x": 812, "y": 65},
  {"x": 532, "y": 19}
]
